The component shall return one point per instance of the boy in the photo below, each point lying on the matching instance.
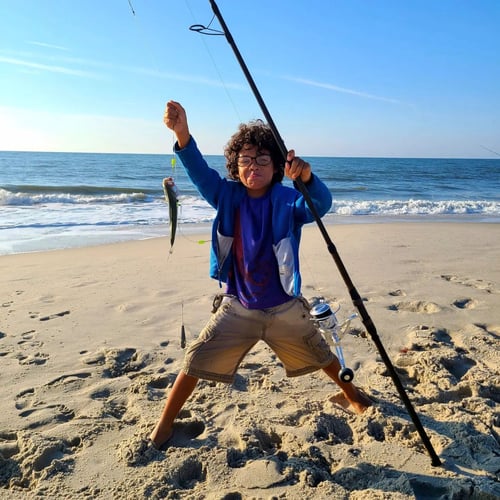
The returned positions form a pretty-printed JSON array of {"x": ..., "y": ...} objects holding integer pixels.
[{"x": 255, "y": 243}]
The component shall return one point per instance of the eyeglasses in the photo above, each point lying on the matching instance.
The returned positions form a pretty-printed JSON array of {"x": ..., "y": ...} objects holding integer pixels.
[{"x": 260, "y": 160}]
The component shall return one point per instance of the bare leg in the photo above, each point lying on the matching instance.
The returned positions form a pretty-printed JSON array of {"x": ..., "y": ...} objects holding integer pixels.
[
  {"x": 359, "y": 401},
  {"x": 183, "y": 387}
]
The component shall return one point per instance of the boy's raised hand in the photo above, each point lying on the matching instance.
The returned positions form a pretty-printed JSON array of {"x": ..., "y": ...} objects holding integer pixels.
[{"x": 175, "y": 119}]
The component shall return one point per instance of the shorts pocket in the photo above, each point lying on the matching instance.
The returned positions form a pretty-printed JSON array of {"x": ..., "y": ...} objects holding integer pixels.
[{"x": 318, "y": 346}]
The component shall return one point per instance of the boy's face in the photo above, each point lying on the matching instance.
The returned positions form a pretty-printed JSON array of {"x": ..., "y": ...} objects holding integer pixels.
[{"x": 255, "y": 169}]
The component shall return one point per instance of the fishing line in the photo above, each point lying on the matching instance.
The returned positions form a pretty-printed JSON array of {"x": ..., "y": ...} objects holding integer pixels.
[
  {"x": 142, "y": 36},
  {"x": 490, "y": 150},
  {"x": 173, "y": 158},
  {"x": 173, "y": 164},
  {"x": 207, "y": 30},
  {"x": 147, "y": 48}
]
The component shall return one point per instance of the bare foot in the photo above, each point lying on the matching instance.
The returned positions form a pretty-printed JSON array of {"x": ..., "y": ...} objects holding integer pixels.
[{"x": 358, "y": 400}]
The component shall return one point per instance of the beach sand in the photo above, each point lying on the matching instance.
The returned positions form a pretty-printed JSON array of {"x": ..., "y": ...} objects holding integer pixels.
[{"x": 90, "y": 346}]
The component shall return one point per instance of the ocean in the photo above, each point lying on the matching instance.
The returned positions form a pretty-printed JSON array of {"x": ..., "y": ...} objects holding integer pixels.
[{"x": 61, "y": 200}]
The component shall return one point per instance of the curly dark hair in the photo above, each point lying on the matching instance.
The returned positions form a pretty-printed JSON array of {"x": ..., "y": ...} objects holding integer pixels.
[{"x": 256, "y": 133}]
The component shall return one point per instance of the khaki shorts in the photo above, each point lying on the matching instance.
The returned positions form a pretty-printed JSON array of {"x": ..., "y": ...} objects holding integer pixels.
[{"x": 233, "y": 330}]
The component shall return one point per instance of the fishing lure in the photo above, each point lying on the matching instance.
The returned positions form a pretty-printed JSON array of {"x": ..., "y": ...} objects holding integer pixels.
[
  {"x": 170, "y": 191},
  {"x": 183, "y": 330}
]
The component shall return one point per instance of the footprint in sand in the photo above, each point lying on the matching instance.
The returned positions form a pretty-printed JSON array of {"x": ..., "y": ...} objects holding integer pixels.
[
  {"x": 46, "y": 415},
  {"x": 185, "y": 432},
  {"x": 36, "y": 314},
  {"x": 56, "y": 315},
  {"x": 440, "y": 335},
  {"x": 8, "y": 444},
  {"x": 39, "y": 358},
  {"x": 253, "y": 377},
  {"x": 418, "y": 306},
  {"x": 156, "y": 386},
  {"x": 117, "y": 362},
  {"x": 478, "y": 284},
  {"x": 28, "y": 342},
  {"x": 484, "y": 339},
  {"x": 186, "y": 427},
  {"x": 140, "y": 451},
  {"x": 32, "y": 456},
  {"x": 332, "y": 429},
  {"x": 28, "y": 335},
  {"x": 458, "y": 365},
  {"x": 37, "y": 409},
  {"x": 466, "y": 303},
  {"x": 446, "y": 372},
  {"x": 359, "y": 478}
]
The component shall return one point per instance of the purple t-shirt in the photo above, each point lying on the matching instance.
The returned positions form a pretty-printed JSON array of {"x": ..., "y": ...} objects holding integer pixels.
[{"x": 254, "y": 278}]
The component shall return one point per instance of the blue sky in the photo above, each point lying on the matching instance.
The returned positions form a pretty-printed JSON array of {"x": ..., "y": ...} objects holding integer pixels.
[{"x": 341, "y": 78}]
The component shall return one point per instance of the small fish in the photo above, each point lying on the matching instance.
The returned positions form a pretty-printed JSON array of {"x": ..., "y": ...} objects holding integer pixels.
[{"x": 170, "y": 191}]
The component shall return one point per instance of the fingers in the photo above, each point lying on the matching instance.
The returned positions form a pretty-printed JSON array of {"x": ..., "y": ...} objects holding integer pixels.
[
  {"x": 169, "y": 116},
  {"x": 296, "y": 167},
  {"x": 175, "y": 119},
  {"x": 174, "y": 115}
]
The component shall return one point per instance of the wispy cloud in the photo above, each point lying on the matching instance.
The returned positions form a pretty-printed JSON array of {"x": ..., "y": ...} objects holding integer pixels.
[
  {"x": 184, "y": 78},
  {"x": 343, "y": 90},
  {"x": 48, "y": 67},
  {"x": 61, "y": 64},
  {"x": 46, "y": 45}
]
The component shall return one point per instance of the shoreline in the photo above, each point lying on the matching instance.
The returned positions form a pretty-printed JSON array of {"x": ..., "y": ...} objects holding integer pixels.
[
  {"x": 90, "y": 346},
  {"x": 120, "y": 234}
]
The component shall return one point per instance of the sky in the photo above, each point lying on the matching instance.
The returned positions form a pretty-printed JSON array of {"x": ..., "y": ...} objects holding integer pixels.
[{"x": 376, "y": 78}]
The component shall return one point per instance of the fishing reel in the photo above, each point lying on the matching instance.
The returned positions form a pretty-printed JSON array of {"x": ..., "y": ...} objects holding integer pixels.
[{"x": 332, "y": 330}]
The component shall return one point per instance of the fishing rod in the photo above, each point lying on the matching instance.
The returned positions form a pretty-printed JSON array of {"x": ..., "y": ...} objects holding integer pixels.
[{"x": 356, "y": 298}]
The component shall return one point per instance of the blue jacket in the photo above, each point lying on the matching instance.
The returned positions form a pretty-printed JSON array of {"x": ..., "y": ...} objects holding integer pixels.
[{"x": 290, "y": 213}]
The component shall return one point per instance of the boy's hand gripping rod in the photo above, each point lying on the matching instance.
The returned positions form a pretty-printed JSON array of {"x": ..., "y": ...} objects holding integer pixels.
[{"x": 356, "y": 298}]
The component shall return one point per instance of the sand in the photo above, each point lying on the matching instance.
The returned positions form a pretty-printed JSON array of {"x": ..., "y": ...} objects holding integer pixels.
[{"x": 90, "y": 346}]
